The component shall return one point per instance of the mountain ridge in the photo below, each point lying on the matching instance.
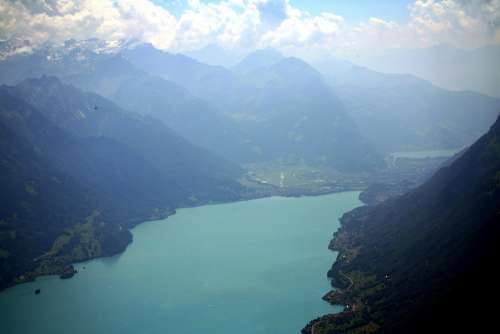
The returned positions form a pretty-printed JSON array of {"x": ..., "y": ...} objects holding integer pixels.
[
  {"x": 79, "y": 172},
  {"x": 407, "y": 264}
]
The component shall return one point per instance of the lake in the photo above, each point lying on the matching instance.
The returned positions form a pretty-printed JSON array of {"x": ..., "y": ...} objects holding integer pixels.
[
  {"x": 249, "y": 267},
  {"x": 445, "y": 153}
]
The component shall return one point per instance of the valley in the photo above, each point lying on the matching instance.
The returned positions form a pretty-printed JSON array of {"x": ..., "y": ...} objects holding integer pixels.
[
  {"x": 289, "y": 178},
  {"x": 248, "y": 167}
]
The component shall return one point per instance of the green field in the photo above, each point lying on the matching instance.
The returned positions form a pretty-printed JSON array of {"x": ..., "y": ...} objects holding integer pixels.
[{"x": 283, "y": 177}]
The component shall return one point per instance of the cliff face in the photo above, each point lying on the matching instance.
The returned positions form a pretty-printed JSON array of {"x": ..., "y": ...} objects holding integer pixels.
[{"x": 423, "y": 261}]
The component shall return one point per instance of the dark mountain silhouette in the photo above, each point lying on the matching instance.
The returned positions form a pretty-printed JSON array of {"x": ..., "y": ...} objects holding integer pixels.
[{"x": 423, "y": 262}]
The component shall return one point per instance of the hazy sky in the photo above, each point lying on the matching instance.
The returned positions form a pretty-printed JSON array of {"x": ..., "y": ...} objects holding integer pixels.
[{"x": 344, "y": 27}]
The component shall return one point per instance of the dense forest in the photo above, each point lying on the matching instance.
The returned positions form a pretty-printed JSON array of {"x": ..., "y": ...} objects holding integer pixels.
[{"x": 422, "y": 261}]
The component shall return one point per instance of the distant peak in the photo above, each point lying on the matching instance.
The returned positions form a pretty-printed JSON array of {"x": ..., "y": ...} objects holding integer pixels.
[
  {"x": 293, "y": 64},
  {"x": 258, "y": 59}
]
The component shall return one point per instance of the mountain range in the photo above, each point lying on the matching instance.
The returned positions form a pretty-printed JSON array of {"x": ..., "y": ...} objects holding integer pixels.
[
  {"x": 445, "y": 66},
  {"x": 399, "y": 112},
  {"x": 96, "y": 139},
  {"x": 228, "y": 112},
  {"x": 226, "y": 107}
]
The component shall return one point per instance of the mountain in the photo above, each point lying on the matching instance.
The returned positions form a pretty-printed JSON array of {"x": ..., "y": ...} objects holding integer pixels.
[
  {"x": 249, "y": 118},
  {"x": 193, "y": 118},
  {"x": 90, "y": 115},
  {"x": 112, "y": 76},
  {"x": 78, "y": 171},
  {"x": 259, "y": 114},
  {"x": 105, "y": 76},
  {"x": 276, "y": 102},
  {"x": 401, "y": 112},
  {"x": 425, "y": 261},
  {"x": 295, "y": 114},
  {"x": 65, "y": 199},
  {"x": 214, "y": 84},
  {"x": 445, "y": 66},
  {"x": 258, "y": 59}
]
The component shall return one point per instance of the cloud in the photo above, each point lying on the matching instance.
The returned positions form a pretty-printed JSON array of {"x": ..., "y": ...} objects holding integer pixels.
[
  {"x": 470, "y": 23},
  {"x": 59, "y": 20},
  {"x": 250, "y": 24},
  {"x": 301, "y": 30},
  {"x": 225, "y": 23},
  {"x": 461, "y": 23}
]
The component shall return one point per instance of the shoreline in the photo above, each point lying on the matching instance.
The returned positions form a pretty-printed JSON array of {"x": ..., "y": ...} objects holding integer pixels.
[
  {"x": 344, "y": 292},
  {"x": 62, "y": 268}
]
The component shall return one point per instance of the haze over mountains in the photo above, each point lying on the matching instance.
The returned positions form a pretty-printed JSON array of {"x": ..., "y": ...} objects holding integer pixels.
[
  {"x": 445, "y": 66},
  {"x": 96, "y": 140},
  {"x": 249, "y": 166},
  {"x": 79, "y": 160},
  {"x": 232, "y": 109},
  {"x": 420, "y": 115}
]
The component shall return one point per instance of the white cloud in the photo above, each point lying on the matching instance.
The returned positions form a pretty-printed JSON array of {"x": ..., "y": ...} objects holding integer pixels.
[
  {"x": 58, "y": 20},
  {"x": 249, "y": 24},
  {"x": 461, "y": 23},
  {"x": 302, "y": 30}
]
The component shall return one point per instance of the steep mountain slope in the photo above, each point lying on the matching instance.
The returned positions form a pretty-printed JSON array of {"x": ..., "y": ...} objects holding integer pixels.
[
  {"x": 392, "y": 112},
  {"x": 400, "y": 112},
  {"x": 112, "y": 76},
  {"x": 86, "y": 114},
  {"x": 294, "y": 114},
  {"x": 247, "y": 100},
  {"x": 423, "y": 262},
  {"x": 77, "y": 172},
  {"x": 215, "y": 84},
  {"x": 284, "y": 110},
  {"x": 192, "y": 117},
  {"x": 65, "y": 198}
]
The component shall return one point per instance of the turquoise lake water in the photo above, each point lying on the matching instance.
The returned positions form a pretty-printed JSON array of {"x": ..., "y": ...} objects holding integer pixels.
[{"x": 253, "y": 267}]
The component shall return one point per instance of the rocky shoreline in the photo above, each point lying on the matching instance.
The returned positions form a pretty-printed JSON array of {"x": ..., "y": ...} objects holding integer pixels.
[{"x": 348, "y": 283}]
